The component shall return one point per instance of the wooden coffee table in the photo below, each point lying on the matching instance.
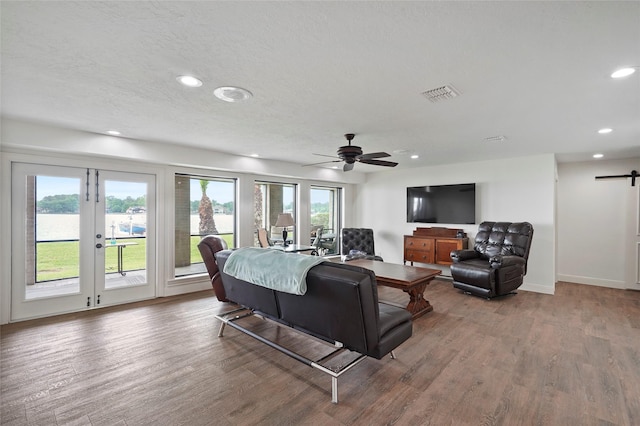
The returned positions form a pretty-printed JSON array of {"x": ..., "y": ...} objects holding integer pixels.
[{"x": 410, "y": 279}]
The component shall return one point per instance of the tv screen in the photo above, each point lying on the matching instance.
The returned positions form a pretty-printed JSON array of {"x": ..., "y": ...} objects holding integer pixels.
[{"x": 442, "y": 204}]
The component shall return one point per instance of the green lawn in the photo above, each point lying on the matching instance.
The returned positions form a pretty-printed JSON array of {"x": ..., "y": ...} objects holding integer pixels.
[{"x": 58, "y": 260}]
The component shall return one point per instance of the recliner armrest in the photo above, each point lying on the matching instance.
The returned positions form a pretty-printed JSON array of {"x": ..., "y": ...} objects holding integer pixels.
[
  {"x": 462, "y": 255},
  {"x": 499, "y": 261}
]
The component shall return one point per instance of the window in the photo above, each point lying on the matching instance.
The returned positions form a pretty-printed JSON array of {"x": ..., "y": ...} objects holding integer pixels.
[
  {"x": 325, "y": 218},
  {"x": 203, "y": 206},
  {"x": 271, "y": 199}
]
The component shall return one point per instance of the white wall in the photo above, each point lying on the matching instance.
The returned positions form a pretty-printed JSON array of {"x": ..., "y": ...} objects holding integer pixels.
[
  {"x": 37, "y": 143},
  {"x": 21, "y": 136},
  {"x": 594, "y": 222},
  {"x": 519, "y": 189}
]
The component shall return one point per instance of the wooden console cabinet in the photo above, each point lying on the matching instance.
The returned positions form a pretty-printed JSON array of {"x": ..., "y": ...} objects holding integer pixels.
[{"x": 433, "y": 245}]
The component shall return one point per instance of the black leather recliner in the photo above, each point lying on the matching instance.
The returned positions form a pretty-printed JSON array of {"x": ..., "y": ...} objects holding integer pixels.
[
  {"x": 498, "y": 262},
  {"x": 209, "y": 246},
  {"x": 360, "y": 239}
]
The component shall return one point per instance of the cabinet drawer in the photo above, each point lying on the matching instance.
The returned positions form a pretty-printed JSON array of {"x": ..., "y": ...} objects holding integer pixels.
[
  {"x": 418, "y": 244},
  {"x": 422, "y": 256},
  {"x": 434, "y": 250}
]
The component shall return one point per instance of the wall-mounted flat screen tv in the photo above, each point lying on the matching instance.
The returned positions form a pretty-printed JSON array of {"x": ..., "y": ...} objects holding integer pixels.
[{"x": 442, "y": 204}]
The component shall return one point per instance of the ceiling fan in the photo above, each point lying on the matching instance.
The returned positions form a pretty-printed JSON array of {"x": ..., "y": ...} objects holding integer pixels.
[{"x": 351, "y": 153}]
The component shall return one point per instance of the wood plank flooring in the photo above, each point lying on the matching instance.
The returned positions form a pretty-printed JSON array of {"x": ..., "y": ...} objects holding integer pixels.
[{"x": 530, "y": 359}]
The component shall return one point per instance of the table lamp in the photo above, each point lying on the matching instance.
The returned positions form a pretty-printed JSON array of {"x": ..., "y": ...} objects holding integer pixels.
[{"x": 285, "y": 220}]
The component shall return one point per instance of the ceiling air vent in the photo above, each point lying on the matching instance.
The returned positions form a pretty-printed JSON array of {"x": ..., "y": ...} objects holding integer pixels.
[
  {"x": 500, "y": 138},
  {"x": 441, "y": 93}
]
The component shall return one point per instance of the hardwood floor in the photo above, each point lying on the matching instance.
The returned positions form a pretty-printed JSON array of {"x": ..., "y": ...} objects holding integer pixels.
[{"x": 529, "y": 359}]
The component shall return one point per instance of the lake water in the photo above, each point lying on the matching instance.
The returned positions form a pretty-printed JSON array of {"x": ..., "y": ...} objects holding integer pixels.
[{"x": 66, "y": 226}]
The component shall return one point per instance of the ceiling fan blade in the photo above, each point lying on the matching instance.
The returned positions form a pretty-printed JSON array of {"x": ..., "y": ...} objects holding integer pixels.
[
  {"x": 379, "y": 163},
  {"x": 373, "y": 155},
  {"x": 322, "y": 162},
  {"x": 348, "y": 166},
  {"x": 323, "y": 155}
]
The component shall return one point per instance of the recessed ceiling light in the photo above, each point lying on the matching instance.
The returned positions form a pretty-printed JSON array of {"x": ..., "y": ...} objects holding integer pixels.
[
  {"x": 623, "y": 72},
  {"x": 598, "y": 155},
  {"x": 605, "y": 131},
  {"x": 113, "y": 132},
  {"x": 232, "y": 94},
  {"x": 189, "y": 81},
  {"x": 334, "y": 167},
  {"x": 414, "y": 156},
  {"x": 254, "y": 155}
]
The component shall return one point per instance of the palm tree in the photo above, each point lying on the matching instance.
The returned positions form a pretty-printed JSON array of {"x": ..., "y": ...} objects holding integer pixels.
[
  {"x": 257, "y": 208},
  {"x": 205, "y": 209}
]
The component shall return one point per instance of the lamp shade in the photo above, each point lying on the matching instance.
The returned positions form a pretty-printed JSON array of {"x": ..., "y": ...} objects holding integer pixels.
[{"x": 285, "y": 220}]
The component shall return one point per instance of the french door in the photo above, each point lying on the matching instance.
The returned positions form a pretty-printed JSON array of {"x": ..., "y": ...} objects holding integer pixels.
[{"x": 81, "y": 239}]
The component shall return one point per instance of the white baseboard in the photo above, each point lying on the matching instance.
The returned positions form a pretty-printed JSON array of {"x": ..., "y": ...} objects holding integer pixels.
[
  {"x": 176, "y": 289},
  {"x": 592, "y": 281},
  {"x": 538, "y": 288}
]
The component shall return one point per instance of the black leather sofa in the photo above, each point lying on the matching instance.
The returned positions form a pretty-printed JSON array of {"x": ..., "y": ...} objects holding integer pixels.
[{"x": 340, "y": 307}]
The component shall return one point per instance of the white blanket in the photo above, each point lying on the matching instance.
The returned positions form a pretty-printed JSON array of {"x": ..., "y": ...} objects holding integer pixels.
[{"x": 273, "y": 269}]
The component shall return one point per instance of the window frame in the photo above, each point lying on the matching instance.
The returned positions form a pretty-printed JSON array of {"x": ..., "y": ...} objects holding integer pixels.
[
  {"x": 335, "y": 215},
  {"x": 266, "y": 206},
  {"x": 178, "y": 244}
]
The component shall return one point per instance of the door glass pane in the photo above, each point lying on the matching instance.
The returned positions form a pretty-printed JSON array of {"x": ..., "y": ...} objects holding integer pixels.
[
  {"x": 52, "y": 235},
  {"x": 271, "y": 199},
  {"x": 125, "y": 233},
  {"x": 325, "y": 217},
  {"x": 204, "y": 206}
]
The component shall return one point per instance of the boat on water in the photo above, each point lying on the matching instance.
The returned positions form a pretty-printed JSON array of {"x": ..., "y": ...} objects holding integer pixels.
[{"x": 132, "y": 228}]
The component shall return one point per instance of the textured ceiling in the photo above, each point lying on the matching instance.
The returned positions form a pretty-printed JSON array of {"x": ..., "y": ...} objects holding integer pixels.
[{"x": 535, "y": 72}]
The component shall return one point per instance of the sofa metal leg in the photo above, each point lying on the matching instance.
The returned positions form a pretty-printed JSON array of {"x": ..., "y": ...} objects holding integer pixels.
[
  {"x": 224, "y": 318},
  {"x": 393, "y": 355},
  {"x": 334, "y": 372}
]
